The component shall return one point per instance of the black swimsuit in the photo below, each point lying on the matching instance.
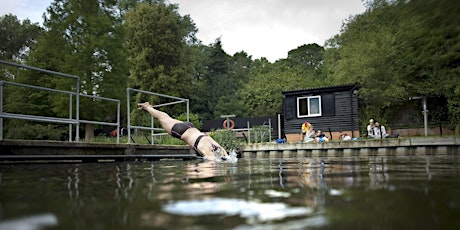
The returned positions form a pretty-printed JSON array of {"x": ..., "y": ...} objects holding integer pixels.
[
  {"x": 179, "y": 128},
  {"x": 195, "y": 146}
]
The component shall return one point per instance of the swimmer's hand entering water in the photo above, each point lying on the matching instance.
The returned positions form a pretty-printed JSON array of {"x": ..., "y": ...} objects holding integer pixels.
[{"x": 230, "y": 158}]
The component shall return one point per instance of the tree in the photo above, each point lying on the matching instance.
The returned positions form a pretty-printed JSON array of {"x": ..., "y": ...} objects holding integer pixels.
[
  {"x": 307, "y": 59},
  {"x": 213, "y": 81},
  {"x": 159, "y": 43},
  {"x": 429, "y": 55},
  {"x": 16, "y": 39},
  {"x": 302, "y": 69},
  {"x": 398, "y": 49},
  {"x": 238, "y": 75},
  {"x": 83, "y": 38}
]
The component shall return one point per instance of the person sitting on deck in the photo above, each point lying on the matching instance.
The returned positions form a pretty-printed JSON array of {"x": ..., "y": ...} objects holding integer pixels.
[
  {"x": 345, "y": 137},
  {"x": 320, "y": 137},
  {"x": 307, "y": 134},
  {"x": 370, "y": 129},
  {"x": 380, "y": 131},
  {"x": 203, "y": 144}
]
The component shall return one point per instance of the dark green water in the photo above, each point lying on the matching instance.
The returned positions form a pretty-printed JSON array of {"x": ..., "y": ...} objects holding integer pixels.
[{"x": 418, "y": 192}]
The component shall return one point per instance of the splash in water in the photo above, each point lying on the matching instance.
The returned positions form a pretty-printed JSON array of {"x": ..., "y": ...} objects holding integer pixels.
[{"x": 231, "y": 158}]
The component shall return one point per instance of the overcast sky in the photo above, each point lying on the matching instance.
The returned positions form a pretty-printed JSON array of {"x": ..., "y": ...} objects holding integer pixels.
[{"x": 261, "y": 28}]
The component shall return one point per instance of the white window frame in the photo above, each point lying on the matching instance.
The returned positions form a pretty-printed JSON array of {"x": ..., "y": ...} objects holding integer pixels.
[{"x": 309, "y": 98}]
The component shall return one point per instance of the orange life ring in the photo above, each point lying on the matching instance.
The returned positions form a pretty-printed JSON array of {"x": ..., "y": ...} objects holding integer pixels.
[{"x": 232, "y": 124}]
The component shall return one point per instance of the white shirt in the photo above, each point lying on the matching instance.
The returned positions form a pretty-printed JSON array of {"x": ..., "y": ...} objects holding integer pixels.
[{"x": 380, "y": 131}]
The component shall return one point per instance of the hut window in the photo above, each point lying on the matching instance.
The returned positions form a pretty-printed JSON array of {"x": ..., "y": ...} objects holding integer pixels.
[{"x": 309, "y": 106}]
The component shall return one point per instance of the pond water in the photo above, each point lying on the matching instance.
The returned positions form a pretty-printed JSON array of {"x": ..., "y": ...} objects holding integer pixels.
[{"x": 416, "y": 192}]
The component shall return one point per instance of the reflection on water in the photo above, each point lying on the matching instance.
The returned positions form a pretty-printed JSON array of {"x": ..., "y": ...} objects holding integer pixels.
[
  {"x": 30, "y": 222},
  {"x": 72, "y": 184},
  {"x": 416, "y": 192}
]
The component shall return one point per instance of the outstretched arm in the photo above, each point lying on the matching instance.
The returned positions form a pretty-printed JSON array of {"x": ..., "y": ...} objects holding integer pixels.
[{"x": 165, "y": 120}]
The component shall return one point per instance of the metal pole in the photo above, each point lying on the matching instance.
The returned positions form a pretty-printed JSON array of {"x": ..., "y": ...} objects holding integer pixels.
[
  {"x": 152, "y": 126},
  {"x": 70, "y": 117},
  {"x": 1, "y": 110},
  {"x": 188, "y": 110},
  {"x": 269, "y": 130},
  {"x": 77, "y": 102},
  {"x": 38, "y": 69},
  {"x": 279, "y": 126},
  {"x": 118, "y": 122},
  {"x": 128, "y": 116},
  {"x": 425, "y": 116},
  {"x": 249, "y": 134}
]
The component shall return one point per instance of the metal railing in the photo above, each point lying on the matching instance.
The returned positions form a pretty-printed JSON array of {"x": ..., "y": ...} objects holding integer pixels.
[
  {"x": 117, "y": 124},
  {"x": 258, "y": 132},
  {"x": 69, "y": 120},
  {"x": 77, "y": 92},
  {"x": 152, "y": 127}
]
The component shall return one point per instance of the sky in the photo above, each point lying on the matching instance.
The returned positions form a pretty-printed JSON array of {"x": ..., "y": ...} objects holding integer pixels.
[{"x": 261, "y": 28}]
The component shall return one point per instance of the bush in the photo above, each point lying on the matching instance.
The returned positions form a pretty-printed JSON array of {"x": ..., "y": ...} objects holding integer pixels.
[
  {"x": 227, "y": 139},
  {"x": 260, "y": 134},
  {"x": 26, "y": 130}
]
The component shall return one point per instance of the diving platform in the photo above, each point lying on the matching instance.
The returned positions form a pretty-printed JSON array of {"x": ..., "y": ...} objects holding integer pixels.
[{"x": 54, "y": 151}]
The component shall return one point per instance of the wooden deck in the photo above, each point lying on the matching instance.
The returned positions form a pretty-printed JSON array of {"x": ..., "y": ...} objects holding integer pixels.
[
  {"x": 54, "y": 151},
  {"x": 17, "y": 151},
  {"x": 385, "y": 147}
]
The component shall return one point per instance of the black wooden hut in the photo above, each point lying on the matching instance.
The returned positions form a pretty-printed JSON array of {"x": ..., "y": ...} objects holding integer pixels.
[{"x": 331, "y": 109}]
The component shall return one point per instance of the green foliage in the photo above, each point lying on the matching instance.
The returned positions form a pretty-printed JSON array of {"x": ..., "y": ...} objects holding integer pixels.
[
  {"x": 262, "y": 94},
  {"x": 83, "y": 38},
  {"x": 143, "y": 137},
  {"x": 227, "y": 139},
  {"x": 156, "y": 41},
  {"x": 193, "y": 118},
  {"x": 394, "y": 50},
  {"x": 214, "y": 82},
  {"x": 24, "y": 130},
  {"x": 260, "y": 134},
  {"x": 398, "y": 49},
  {"x": 16, "y": 37}
]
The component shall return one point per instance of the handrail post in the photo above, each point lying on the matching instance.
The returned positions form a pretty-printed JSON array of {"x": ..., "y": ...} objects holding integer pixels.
[
  {"x": 152, "y": 125},
  {"x": 77, "y": 101},
  {"x": 1, "y": 110},
  {"x": 269, "y": 130},
  {"x": 118, "y": 122},
  {"x": 128, "y": 115},
  {"x": 70, "y": 117},
  {"x": 188, "y": 110},
  {"x": 249, "y": 133}
]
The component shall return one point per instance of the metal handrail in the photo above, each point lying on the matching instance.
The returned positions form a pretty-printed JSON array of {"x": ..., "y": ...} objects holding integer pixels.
[
  {"x": 38, "y": 118},
  {"x": 69, "y": 120},
  {"x": 77, "y": 93},
  {"x": 151, "y": 128}
]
